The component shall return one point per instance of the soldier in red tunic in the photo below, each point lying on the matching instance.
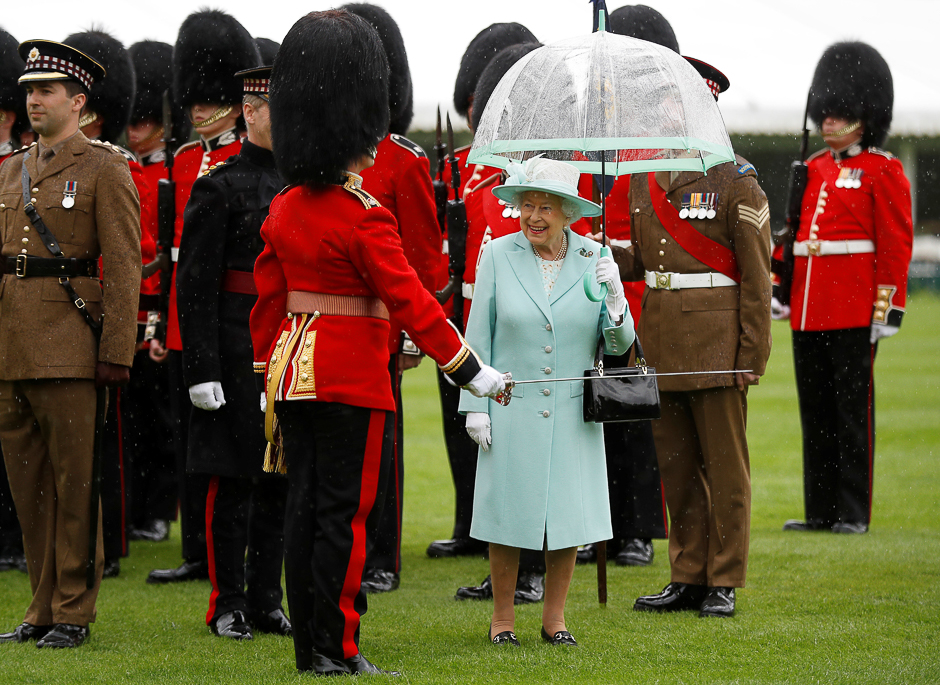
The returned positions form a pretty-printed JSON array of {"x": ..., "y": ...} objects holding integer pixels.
[
  {"x": 332, "y": 273},
  {"x": 851, "y": 257},
  {"x": 13, "y": 118}
]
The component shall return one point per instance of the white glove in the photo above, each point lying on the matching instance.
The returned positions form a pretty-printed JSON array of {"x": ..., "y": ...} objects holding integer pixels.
[
  {"x": 264, "y": 402},
  {"x": 487, "y": 383},
  {"x": 207, "y": 396},
  {"x": 880, "y": 330},
  {"x": 478, "y": 426},
  {"x": 778, "y": 310},
  {"x": 607, "y": 272}
]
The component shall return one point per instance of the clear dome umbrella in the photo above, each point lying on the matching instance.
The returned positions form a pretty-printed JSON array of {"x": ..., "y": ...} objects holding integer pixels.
[{"x": 607, "y": 104}]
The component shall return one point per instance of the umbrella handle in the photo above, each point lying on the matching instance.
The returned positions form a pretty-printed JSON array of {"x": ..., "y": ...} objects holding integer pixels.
[{"x": 595, "y": 292}]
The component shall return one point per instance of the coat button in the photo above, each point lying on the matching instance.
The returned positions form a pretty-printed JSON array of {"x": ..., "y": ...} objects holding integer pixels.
[
  {"x": 35, "y": 190},
  {"x": 303, "y": 377},
  {"x": 546, "y": 413},
  {"x": 303, "y": 360},
  {"x": 636, "y": 211},
  {"x": 290, "y": 316},
  {"x": 23, "y": 251},
  {"x": 662, "y": 254},
  {"x": 548, "y": 369},
  {"x": 548, "y": 327},
  {"x": 662, "y": 268},
  {"x": 546, "y": 392},
  {"x": 26, "y": 240},
  {"x": 548, "y": 348},
  {"x": 662, "y": 241},
  {"x": 25, "y": 229}
]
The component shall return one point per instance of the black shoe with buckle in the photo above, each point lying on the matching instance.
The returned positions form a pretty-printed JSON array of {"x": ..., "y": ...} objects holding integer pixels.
[
  {"x": 637, "y": 552},
  {"x": 64, "y": 636},
  {"x": 718, "y": 603},
  {"x": 482, "y": 591},
  {"x": 456, "y": 547},
  {"x": 358, "y": 665},
  {"x": 562, "y": 637},
  {"x": 188, "y": 570},
  {"x": 850, "y": 527},
  {"x": 232, "y": 624},
  {"x": 507, "y": 637},
  {"x": 530, "y": 588},
  {"x": 674, "y": 597},
  {"x": 25, "y": 632},
  {"x": 376, "y": 580},
  {"x": 273, "y": 622}
]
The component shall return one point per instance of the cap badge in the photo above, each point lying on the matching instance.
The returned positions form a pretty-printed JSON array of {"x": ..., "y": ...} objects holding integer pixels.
[{"x": 33, "y": 55}]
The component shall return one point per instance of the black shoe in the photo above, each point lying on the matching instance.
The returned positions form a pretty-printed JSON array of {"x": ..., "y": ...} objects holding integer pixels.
[
  {"x": 562, "y": 637},
  {"x": 156, "y": 530},
  {"x": 360, "y": 665},
  {"x": 850, "y": 527},
  {"x": 637, "y": 552},
  {"x": 674, "y": 597},
  {"x": 233, "y": 625},
  {"x": 25, "y": 632},
  {"x": 507, "y": 637},
  {"x": 530, "y": 588},
  {"x": 457, "y": 547},
  {"x": 587, "y": 554},
  {"x": 377, "y": 580},
  {"x": 188, "y": 570},
  {"x": 274, "y": 622},
  {"x": 804, "y": 526},
  {"x": 718, "y": 603},
  {"x": 323, "y": 665},
  {"x": 64, "y": 636},
  {"x": 482, "y": 591},
  {"x": 112, "y": 568}
]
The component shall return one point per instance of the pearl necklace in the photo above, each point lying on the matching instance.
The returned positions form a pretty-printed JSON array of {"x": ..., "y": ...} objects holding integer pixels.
[{"x": 561, "y": 253}]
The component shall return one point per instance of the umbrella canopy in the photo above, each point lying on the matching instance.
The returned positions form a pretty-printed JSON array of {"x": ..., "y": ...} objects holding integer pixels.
[{"x": 635, "y": 105}]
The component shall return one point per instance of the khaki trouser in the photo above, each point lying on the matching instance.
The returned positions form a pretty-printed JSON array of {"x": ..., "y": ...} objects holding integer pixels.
[
  {"x": 703, "y": 459},
  {"x": 47, "y": 430}
]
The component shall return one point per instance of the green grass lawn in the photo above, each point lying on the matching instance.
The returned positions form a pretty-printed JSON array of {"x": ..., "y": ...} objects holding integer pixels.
[{"x": 818, "y": 608}]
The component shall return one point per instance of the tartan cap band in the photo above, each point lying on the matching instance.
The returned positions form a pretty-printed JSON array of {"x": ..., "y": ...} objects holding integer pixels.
[
  {"x": 47, "y": 60},
  {"x": 256, "y": 81}
]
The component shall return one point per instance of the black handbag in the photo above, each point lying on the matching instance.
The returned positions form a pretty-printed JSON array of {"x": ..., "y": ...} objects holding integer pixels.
[{"x": 622, "y": 394}]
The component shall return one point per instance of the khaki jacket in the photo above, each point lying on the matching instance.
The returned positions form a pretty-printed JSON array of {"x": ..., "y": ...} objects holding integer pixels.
[
  {"x": 42, "y": 334},
  {"x": 703, "y": 329}
]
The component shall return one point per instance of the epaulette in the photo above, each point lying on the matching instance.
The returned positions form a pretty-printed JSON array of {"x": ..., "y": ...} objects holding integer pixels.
[
  {"x": 23, "y": 149},
  {"x": 131, "y": 157},
  {"x": 879, "y": 151},
  {"x": 412, "y": 147},
  {"x": 367, "y": 200},
  {"x": 288, "y": 187},
  {"x": 187, "y": 146},
  {"x": 229, "y": 161},
  {"x": 817, "y": 154},
  {"x": 106, "y": 145}
]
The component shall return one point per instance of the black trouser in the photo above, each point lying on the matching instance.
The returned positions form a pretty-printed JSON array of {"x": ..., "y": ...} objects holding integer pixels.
[
  {"x": 637, "y": 506},
  {"x": 245, "y": 513},
  {"x": 385, "y": 538},
  {"x": 336, "y": 479},
  {"x": 11, "y": 536},
  {"x": 115, "y": 480},
  {"x": 193, "y": 487},
  {"x": 836, "y": 390},
  {"x": 149, "y": 442},
  {"x": 462, "y": 454}
]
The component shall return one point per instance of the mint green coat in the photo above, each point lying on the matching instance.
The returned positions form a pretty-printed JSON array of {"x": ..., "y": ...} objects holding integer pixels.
[{"x": 545, "y": 475}]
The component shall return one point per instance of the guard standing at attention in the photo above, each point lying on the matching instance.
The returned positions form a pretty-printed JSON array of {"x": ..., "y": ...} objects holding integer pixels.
[
  {"x": 851, "y": 257},
  {"x": 215, "y": 293},
  {"x": 332, "y": 273},
  {"x": 706, "y": 308},
  {"x": 211, "y": 47},
  {"x": 64, "y": 202}
]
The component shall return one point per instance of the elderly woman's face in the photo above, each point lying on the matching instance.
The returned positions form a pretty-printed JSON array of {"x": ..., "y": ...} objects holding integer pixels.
[{"x": 542, "y": 220}]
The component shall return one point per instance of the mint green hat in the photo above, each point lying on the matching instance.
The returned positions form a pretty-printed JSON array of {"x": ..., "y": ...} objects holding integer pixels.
[{"x": 538, "y": 174}]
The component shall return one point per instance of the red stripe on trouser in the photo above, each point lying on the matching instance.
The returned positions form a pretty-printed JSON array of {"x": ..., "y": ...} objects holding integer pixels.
[
  {"x": 210, "y": 547},
  {"x": 120, "y": 433},
  {"x": 368, "y": 487},
  {"x": 871, "y": 429}
]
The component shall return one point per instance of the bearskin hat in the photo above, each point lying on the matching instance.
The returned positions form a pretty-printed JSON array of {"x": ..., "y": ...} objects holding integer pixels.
[
  {"x": 481, "y": 50},
  {"x": 12, "y": 95},
  {"x": 268, "y": 49},
  {"x": 494, "y": 73},
  {"x": 153, "y": 68},
  {"x": 644, "y": 23},
  {"x": 400, "y": 95},
  {"x": 327, "y": 109},
  {"x": 852, "y": 80},
  {"x": 210, "y": 48},
  {"x": 112, "y": 97}
]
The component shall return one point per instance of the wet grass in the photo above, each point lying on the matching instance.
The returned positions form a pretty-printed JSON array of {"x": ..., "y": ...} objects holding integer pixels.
[{"x": 818, "y": 608}]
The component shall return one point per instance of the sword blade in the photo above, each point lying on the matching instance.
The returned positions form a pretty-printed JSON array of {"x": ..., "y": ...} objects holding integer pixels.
[{"x": 647, "y": 375}]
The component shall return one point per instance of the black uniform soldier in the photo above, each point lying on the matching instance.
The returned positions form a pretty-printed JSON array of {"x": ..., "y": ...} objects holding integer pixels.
[{"x": 215, "y": 293}]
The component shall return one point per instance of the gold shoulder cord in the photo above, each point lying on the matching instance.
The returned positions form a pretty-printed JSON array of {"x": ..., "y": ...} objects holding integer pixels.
[{"x": 276, "y": 461}]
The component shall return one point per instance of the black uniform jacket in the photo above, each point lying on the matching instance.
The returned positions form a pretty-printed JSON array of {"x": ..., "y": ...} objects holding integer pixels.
[{"x": 222, "y": 233}]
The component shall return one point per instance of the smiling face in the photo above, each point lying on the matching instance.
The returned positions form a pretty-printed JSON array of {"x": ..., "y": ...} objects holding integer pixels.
[{"x": 542, "y": 221}]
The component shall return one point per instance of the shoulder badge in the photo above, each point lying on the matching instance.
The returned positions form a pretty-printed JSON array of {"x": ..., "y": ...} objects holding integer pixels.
[
  {"x": 747, "y": 167},
  {"x": 412, "y": 147},
  {"x": 879, "y": 151},
  {"x": 367, "y": 200},
  {"x": 187, "y": 146}
]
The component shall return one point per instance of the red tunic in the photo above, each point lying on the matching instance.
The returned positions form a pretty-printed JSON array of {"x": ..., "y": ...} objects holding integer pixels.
[
  {"x": 844, "y": 290},
  {"x": 400, "y": 180},
  {"x": 336, "y": 240},
  {"x": 153, "y": 170},
  {"x": 191, "y": 162}
]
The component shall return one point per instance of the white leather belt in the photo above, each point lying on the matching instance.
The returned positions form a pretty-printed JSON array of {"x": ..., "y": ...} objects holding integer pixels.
[
  {"x": 673, "y": 281},
  {"x": 175, "y": 254},
  {"x": 467, "y": 289},
  {"x": 823, "y": 248}
]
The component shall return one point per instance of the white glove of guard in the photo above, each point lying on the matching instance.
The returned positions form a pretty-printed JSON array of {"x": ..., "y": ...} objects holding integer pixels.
[
  {"x": 478, "y": 426},
  {"x": 607, "y": 272},
  {"x": 264, "y": 402},
  {"x": 487, "y": 383},
  {"x": 880, "y": 330},
  {"x": 778, "y": 310},
  {"x": 207, "y": 396}
]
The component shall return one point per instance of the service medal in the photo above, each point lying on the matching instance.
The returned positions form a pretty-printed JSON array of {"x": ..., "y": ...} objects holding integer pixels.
[{"x": 68, "y": 195}]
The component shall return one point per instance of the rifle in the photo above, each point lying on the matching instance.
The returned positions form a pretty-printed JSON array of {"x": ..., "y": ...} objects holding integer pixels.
[
  {"x": 456, "y": 236},
  {"x": 440, "y": 188},
  {"x": 786, "y": 237},
  {"x": 166, "y": 217}
]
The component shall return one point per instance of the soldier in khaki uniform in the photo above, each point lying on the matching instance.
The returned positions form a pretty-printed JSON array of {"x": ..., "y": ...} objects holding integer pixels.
[
  {"x": 706, "y": 308},
  {"x": 50, "y": 361}
]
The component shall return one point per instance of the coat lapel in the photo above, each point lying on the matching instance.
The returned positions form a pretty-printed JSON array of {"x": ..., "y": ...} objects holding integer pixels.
[
  {"x": 522, "y": 262},
  {"x": 64, "y": 159},
  {"x": 573, "y": 268}
]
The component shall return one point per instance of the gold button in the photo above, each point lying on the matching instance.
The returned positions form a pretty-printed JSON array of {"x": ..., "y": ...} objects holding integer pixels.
[
  {"x": 23, "y": 251},
  {"x": 662, "y": 254},
  {"x": 303, "y": 360},
  {"x": 269, "y": 376},
  {"x": 636, "y": 211},
  {"x": 661, "y": 267},
  {"x": 662, "y": 242},
  {"x": 308, "y": 343},
  {"x": 35, "y": 190},
  {"x": 2, "y": 205},
  {"x": 279, "y": 343},
  {"x": 274, "y": 359},
  {"x": 303, "y": 377},
  {"x": 26, "y": 240},
  {"x": 25, "y": 229},
  {"x": 290, "y": 316},
  {"x": 33, "y": 200}
]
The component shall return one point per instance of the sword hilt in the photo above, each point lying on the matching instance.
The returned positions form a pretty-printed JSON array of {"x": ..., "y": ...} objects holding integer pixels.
[{"x": 505, "y": 395}]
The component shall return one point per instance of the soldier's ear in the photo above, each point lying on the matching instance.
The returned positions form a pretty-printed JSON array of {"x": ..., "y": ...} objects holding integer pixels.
[{"x": 78, "y": 102}]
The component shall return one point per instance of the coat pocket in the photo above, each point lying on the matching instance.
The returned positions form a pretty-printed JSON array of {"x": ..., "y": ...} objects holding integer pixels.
[
  {"x": 9, "y": 206},
  {"x": 74, "y": 225},
  {"x": 711, "y": 299},
  {"x": 577, "y": 388}
]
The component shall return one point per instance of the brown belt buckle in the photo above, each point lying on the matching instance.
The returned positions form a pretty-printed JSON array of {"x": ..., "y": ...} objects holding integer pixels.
[
  {"x": 20, "y": 270},
  {"x": 814, "y": 248}
]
